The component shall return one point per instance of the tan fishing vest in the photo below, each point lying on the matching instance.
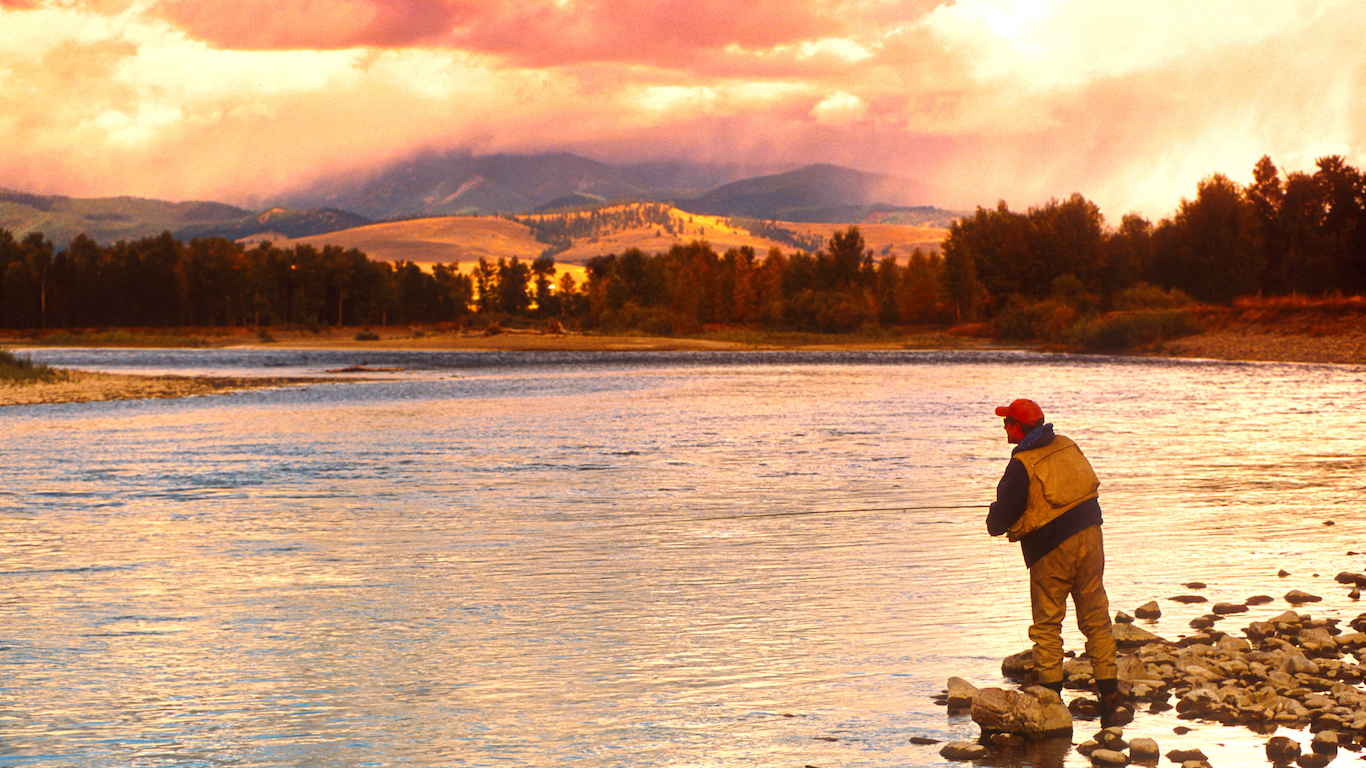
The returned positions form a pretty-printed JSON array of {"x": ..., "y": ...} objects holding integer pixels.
[{"x": 1060, "y": 478}]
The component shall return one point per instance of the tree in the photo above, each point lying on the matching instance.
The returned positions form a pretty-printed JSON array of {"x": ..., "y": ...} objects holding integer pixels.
[
  {"x": 486, "y": 286},
  {"x": 848, "y": 256},
  {"x": 514, "y": 280},
  {"x": 1215, "y": 241},
  {"x": 543, "y": 270}
]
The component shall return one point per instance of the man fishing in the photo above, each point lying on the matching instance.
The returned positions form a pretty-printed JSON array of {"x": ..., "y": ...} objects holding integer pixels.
[{"x": 1047, "y": 501}]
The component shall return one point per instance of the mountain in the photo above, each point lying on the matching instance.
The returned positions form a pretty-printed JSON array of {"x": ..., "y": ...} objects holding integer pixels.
[
  {"x": 815, "y": 193},
  {"x": 286, "y": 222},
  {"x": 455, "y": 184},
  {"x": 106, "y": 219},
  {"x": 452, "y": 184},
  {"x": 448, "y": 184}
]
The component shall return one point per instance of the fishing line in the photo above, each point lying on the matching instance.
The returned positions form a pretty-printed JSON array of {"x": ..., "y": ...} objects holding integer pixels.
[
  {"x": 1000, "y": 571},
  {"x": 799, "y": 513}
]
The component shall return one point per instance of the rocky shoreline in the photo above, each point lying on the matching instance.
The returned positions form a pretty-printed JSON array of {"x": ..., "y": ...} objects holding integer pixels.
[
  {"x": 1266, "y": 346},
  {"x": 1289, "y": 671}
]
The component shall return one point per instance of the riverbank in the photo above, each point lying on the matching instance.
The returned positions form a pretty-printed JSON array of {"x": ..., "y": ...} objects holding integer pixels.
[
  {"x": 87, "y": 386},
  {"x": 1263, "y": 331}
]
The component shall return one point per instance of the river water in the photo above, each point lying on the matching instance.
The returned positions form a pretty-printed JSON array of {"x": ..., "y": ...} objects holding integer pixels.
[{"x": 608, "y": 559}]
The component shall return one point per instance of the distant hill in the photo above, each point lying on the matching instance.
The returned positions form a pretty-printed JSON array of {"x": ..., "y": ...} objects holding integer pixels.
[
  {"x": 108, "y": 219},
  {"x": 279, "y": 221},
  {"x": 815, "y": 193},
  {"x": 455, "y": 184},
  {"x": 450, "y": 184}
]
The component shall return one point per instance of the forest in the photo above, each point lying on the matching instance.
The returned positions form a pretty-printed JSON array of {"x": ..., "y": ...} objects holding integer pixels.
[{"x": 1055, "y": 271}]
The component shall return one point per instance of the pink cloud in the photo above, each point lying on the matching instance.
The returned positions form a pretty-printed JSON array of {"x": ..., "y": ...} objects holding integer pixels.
[
  {"x": 530, "y": 33},
  {"x": 314, "y": 24}
]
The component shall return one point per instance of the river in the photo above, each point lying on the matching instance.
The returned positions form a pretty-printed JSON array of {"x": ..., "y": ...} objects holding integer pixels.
[{"x": 602, "y": 559}]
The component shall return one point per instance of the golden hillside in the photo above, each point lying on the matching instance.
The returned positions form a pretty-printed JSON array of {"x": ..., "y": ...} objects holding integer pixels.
[{"x": 466, "y": 239}]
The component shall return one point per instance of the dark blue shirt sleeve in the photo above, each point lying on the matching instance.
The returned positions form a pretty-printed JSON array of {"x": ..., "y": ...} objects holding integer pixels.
[{"x": 1011, "y": 494}]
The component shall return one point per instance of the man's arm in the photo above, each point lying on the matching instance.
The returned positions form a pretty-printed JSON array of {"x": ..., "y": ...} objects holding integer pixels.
[{"x": 1011, "y": 494}]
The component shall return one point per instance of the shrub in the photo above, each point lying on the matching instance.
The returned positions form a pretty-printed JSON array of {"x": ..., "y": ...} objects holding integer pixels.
[
  {"x": 1040, "y": 320},
  {"x": 1146, "y": 296},
  {"x": 23, "y": 370},
  {"x": 1121, "y": 331},
  {"x": 367, "y": 336}
]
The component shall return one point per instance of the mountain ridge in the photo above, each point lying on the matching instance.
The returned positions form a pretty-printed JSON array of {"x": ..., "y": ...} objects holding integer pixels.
[{"x": 451, "y": 184}]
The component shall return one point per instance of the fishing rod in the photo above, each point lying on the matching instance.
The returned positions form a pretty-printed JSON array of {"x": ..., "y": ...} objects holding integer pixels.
[{"x": 805, "y": 513}]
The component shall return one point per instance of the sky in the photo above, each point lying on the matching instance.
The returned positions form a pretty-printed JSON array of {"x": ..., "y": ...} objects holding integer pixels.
[{"x": 1127, "y": 102}]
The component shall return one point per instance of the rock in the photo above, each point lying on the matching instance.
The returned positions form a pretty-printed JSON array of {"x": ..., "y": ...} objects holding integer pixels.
[
  {"x": 1203, "y": 622},
  {"x": 1129, "y": 636},
  {"x": 1034, "y": 712},
  {"x": 1282, "y": 573},
  {"x": 1226, "y": 608},
  {"x": 1350, "y": 640},
  {"x": 1325, "y": 742},
  {"x": 1282, "y": 750},
  {"x": 1111, "y": 738},
  {"x": 1355, "y": 579},
  {"x": 923, "y": 740},
  {"x": 1148, "y": 610},
  {"x": 960, "y": 693},
  {"x": 1355, "y": 594},
  {"x": 1185, "y": 755},
  {"x": 1195, "y": 585},
  {"x": 1144, "y": 750},
  {"x": 1316, "y": 641},
  {"x": 1313, "y": 760},
  {"x": 963, "y": 750},
  {"x": 1287, "y": 617},
  {"x": 1123, "y": 618},
  {"x": 1260, "y": 600},
  {"x": 1108, "y": 757},
  {"x": 1189, "y": 599},
  {"x": 1297, "y": 597},
  {"x": 1018, "y": 666},
  {"x": 1199, "y": 702}
]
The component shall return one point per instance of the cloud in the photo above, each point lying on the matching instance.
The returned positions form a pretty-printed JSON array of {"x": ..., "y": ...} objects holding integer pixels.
[{"x": 1129, "y": 103}]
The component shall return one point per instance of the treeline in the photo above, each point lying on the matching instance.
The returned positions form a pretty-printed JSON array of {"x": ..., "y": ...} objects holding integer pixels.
[
  {"x": 209, "y": 282},
  {"x": 836, "y": 290},
  {"x": 1283, "y": 234}
]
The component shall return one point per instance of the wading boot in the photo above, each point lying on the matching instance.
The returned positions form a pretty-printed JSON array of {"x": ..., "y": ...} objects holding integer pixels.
[{"x": 1112, "y": 709}]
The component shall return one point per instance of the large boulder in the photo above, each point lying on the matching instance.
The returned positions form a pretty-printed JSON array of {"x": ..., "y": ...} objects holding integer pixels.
[{"x": 1035, "y": 712}]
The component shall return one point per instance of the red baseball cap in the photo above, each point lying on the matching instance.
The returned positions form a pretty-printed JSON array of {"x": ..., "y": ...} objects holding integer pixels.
[{"x": 1027, "y": 412}]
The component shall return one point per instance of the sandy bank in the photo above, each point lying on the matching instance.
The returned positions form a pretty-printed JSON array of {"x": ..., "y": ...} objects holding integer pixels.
[{"x": 84, "y": 386}]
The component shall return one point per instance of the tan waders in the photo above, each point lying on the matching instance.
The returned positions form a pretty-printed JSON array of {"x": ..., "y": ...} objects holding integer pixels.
[{"x": 1075, "y": 568}]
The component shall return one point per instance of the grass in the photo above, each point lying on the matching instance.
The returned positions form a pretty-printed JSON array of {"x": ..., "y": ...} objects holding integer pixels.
[
  {"x": 22, "y": 370},
  {"x": 123, "y": 337},
  {"x": 919, "y": 339}
]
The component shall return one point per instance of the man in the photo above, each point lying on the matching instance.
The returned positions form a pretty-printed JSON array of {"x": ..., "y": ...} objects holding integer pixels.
[{"x": 1047, "y": 501}]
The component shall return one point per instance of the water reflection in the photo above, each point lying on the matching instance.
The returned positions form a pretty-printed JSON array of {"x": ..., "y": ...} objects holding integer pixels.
[{"x": 562, "y": 561}]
